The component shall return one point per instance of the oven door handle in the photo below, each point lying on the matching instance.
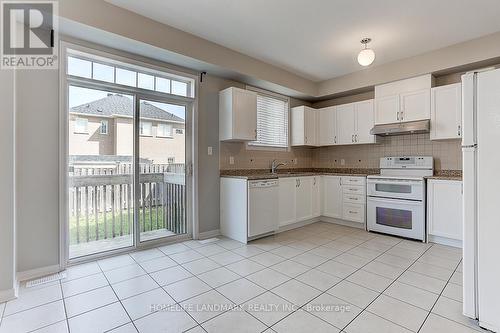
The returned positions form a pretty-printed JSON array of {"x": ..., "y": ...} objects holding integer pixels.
[
  {"x": 408, "y": 183},
  {"x": 389, "y": 200}
]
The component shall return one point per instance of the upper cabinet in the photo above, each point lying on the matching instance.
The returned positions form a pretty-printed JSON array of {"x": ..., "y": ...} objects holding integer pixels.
[
  {"x": 304, "y": 126},
  {"x": 327, "y": 126},
  {"x": 446, "y": 112},
  {"x": 405, "y": 100},
  {"x": 354, "y": 122},
  {"x": 237, "y": 115}
]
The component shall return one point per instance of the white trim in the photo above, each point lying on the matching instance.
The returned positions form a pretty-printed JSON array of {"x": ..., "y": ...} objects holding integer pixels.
[
  {"x": 343, "y": 222},
  {"x": 37, "y": 272},
  {"x": 9, "y": 294},
  {"x": 208, "y": 234},
  {"x": 297, "y": 225},
  {"x": 444, "y": 241}
]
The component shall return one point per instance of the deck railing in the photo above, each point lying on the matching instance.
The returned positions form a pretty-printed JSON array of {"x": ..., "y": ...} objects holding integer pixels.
[{"x": 102, "y": 207}]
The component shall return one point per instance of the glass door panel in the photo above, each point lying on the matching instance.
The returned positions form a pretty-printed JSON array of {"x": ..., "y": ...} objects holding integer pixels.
[
  {"x": 162, "y": 178},
  {"x": 100, "y": 171}
]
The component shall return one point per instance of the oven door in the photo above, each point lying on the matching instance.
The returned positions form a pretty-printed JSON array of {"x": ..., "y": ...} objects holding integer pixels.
[
  {"x": 403, "y": 218},
  {"x": 394, "y": 188}
]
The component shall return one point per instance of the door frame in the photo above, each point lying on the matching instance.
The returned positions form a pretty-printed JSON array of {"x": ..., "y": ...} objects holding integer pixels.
[{"x": 192, "y": 215}]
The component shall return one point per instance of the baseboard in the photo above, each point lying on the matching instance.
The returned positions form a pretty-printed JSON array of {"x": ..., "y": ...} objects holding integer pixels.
[
  {"x": 37, "y": 272},
  {"x": 209, "y": 234},
  {"x": 343, "y": 222},
  {"x": 297, "y": 225},
  {"x": 444, "y": 241},
  {"x": 9, "y": 294}
]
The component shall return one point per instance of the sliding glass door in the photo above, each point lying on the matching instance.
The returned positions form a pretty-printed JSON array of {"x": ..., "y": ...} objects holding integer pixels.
[{"x": 127, "y": 157}]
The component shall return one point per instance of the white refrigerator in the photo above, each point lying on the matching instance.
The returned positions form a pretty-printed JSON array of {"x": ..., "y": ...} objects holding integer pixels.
[{"x": 481, "y": 197}]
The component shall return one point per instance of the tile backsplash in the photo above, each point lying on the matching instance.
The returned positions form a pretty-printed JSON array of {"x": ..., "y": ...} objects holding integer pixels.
[{"x": 447, "y": 154}]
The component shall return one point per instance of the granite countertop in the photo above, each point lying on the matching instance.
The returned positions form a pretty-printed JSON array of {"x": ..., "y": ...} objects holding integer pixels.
[
  {"x": 256, "y": 174},
  {"x": 447, "y": 175}
]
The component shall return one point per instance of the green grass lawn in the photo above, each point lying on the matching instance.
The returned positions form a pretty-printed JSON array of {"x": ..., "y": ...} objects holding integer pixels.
[{"x": 150, "y": 224}]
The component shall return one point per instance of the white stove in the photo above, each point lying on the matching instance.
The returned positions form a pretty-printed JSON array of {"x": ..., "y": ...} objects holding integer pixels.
[{"x": 396, "y": 197}]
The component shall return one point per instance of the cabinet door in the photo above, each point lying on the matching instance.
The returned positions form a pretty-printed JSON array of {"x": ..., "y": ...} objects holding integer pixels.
[
  {"x": 310, "y": 127},
  {"x": 316, "y": 196},
  {"x": 387, "y": 109},
  {"x": 444, "y": 208},
  {"x": 332, "y": 196},
  {"x": 303, "y": 199},
  {"x": 327, "y": 135},
  {"x": 244, "y": 114},
  {"x": 287, "y": 188},
  {"x": 446, "y": 112},
  {"x": 345, "y": 124},
  {"x": 364, "y": 122},
  {"x": 298, "y": 125},
  {"x": 416, "y": 105}
]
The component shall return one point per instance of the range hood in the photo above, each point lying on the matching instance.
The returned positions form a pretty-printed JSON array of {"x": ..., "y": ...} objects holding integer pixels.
[{"x": 410, "y": 127}]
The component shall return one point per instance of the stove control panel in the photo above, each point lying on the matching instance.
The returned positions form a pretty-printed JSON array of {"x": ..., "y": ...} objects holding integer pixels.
[{"x": 407, "y": 162}]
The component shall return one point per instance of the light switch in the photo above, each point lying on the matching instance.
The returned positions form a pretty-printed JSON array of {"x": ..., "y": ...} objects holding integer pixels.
[
  {"x": 210, "y": 151},
  {"x": 231, "y": 159}
]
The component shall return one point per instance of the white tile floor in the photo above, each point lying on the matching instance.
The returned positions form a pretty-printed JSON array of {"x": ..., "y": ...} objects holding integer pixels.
[{"x": 321, "y": 277}]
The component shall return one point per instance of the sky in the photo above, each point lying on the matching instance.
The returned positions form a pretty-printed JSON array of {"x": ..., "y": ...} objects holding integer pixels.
[{"x": 78, "y": 96}]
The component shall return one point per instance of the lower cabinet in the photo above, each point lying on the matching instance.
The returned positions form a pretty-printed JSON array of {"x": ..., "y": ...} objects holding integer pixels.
[
  {"x": 444, "y": 211},
  {"x": 332, "y": 197},
  {"x": 338, "y": 197}
]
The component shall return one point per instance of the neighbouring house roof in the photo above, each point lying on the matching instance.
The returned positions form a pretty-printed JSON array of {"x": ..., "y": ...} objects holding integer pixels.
[{"x": 118, "y": 105}]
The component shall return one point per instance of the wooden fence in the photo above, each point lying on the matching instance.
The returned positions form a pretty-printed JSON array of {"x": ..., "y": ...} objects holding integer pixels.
[{"x": 101, "y": 206}]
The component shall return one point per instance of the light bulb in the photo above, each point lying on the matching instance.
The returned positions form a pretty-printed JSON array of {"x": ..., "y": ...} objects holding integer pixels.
[{"x": 366, "y": 57}]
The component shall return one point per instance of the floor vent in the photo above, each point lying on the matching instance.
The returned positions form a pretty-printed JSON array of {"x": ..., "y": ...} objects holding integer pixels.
[
  {"x": 209, "y": 240},
  {"x": 45, "y": 279}
]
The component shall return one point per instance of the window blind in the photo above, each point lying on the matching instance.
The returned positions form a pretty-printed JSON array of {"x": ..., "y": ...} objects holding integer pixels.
[{"x": 272, "y": 121}]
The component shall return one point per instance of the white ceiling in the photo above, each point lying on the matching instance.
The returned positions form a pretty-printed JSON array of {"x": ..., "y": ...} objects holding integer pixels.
[{"x": 319, "y": 39}]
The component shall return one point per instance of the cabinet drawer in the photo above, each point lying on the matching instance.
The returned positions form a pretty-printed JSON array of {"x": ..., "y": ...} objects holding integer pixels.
[
  {"x": 354, "y": 198},
  {"x": 354, "y": 212},
  {"x": 353, "y": 181},
  {"x": 349, "y": 189}
]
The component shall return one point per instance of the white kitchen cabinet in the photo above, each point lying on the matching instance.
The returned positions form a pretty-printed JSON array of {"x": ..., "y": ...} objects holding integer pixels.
[
  {"x": 304, "y": 124},
  {"x": 415, "y": 105},
  {"x": 346, "y": 123},
  {"x": 237, "y": 115},
  {"x": 332, "y": 196},
  {"x": 403, "y": 100},
  {"x": 286, "y": 202},
  {"x": 303, "y": 198},
  {"x": 316, "y": 196},
  {"x": 387, "y": 109},
  {"x": 364, "y": 119},
  {"x": 444, "y": 211},
  {"x": 446, "y": 112},
  {"x": 327, "y": 126}
]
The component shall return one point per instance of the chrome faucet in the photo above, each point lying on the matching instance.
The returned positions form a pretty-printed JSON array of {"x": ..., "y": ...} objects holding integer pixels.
[{"x": 275, "y": 166}]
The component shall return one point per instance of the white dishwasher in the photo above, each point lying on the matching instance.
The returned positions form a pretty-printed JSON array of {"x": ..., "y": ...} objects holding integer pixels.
[{"x": 262, "y": 207}]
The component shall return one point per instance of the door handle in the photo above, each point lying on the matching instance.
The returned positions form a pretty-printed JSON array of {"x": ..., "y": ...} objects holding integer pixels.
[
  {"x": 352, "y": 138},
  {"x": 335, "y": 139},
  {"x": 459, "y": 131},
  {"x": 398, "y": 115},
  {"x": 402, "y": 115},
  {"x": 356, "y": 137}
]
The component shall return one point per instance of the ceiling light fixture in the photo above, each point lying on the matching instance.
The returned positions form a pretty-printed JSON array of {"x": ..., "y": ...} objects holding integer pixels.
[{"x": 366, "y": 56}]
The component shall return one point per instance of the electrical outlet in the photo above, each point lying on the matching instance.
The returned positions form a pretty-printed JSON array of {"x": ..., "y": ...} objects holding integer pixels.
[
  {"x": 210, "y": 151},
  {"x": 342, "y": 162},
  {"x": 231, "y": 159}
]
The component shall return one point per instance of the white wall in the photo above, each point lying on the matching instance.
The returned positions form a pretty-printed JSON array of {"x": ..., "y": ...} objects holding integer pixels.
[
  {"x": 7, "y": 219},
  {"x": 37, "y": 168}
]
